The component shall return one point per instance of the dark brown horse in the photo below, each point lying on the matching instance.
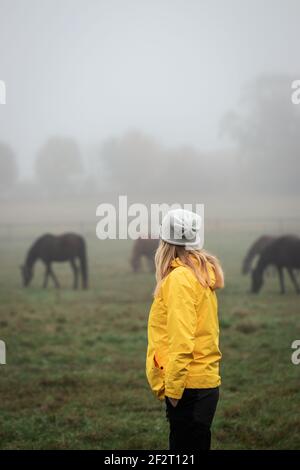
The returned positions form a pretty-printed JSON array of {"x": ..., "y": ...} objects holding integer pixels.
[
  {"x": 283, "y": 252},
  {"x": 61, "y": 248},
  {"x": 255, "y": 249},
  {"x": 143, "y": 247}
]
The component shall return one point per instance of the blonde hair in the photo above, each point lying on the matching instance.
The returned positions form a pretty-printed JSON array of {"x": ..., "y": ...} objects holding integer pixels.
[{"x": 166, "y": 253}]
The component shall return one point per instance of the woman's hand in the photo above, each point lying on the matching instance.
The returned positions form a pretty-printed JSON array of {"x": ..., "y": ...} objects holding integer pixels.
[{"x": 173, "y": 401}]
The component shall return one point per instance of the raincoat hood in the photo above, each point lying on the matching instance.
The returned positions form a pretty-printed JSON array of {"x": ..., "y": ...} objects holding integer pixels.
[{"x": 212, "y": 277}]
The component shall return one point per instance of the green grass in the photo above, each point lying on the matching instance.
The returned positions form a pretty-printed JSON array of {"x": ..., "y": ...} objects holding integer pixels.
[{"x": 75, "y": 360}]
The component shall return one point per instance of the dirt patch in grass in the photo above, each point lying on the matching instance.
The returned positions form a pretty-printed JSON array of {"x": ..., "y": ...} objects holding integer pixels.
[{"x": 247, "y": 327}]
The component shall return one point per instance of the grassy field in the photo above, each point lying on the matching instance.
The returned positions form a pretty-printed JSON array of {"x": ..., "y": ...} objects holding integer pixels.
[{"x": 75, "y": 376}]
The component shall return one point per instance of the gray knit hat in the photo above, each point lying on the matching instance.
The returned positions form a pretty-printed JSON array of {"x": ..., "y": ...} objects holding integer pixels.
[{"x": 182, "y": 227}]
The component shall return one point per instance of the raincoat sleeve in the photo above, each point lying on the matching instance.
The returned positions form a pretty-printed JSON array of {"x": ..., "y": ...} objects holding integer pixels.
[{"x": 180, "y": 299}]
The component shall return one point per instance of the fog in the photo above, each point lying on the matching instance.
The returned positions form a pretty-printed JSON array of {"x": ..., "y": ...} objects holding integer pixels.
[{"x": 150, "y": 98}]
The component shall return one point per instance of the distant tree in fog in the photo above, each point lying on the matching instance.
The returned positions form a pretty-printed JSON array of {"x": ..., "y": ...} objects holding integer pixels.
[
  {"x": 138, "y": 163},
  {"x": 191, "y": 171},
  {"x": 8, "y": 168},
  {"x": 58, "y": 164},
  {"x": 132, "y": 162},
  {"x": 266, "y": 132}
]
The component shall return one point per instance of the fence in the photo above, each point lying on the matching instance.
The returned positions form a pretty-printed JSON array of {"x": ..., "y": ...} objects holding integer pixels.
[{"x": 10, "y": 232}]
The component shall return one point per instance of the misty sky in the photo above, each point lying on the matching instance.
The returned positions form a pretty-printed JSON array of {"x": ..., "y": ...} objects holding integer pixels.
[{"x": 93, "y": 69}]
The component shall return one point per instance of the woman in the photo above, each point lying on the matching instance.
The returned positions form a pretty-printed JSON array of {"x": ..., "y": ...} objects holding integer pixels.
[{"x": 183, "y": 355}]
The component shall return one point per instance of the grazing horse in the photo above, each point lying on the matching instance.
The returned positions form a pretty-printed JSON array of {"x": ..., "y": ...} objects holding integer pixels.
[
  {"x": 255, "y": 249},
  {"x": 49, "y": 248},
  {"x": 283, "y": 252},
  {"x": 143, "y": 247}
]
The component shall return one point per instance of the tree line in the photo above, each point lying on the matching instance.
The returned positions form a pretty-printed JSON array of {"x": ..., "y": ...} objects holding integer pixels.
[{"x": 261, "y": 155}]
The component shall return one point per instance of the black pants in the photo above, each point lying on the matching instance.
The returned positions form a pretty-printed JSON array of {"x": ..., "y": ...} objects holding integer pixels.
[{"x": 190, "y": 420}]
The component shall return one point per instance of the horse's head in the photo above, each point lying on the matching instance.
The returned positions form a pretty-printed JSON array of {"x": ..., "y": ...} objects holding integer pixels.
[
  {"x": 27, "y": 274},
  {"x": 257, "y": 281}
]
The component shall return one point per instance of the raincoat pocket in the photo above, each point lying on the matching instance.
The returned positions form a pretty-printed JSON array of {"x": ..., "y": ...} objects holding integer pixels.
[{"x": 155, "y": 375}]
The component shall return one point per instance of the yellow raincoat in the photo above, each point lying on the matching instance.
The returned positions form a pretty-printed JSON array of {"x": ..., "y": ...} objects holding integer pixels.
[{"x": 183, "y": 335}]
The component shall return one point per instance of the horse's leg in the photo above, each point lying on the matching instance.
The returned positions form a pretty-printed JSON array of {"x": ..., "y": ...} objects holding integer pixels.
[
  {"x": 136, "y": 263},
  {"x": 75, "y": 272},
  {"x": 294, "y": 280},
  {"x": 55, "y": 280},
  {"x": 281, "y": 279},
  {"x": 139, "y": 263},
  {"x": 46, "y": 276}
]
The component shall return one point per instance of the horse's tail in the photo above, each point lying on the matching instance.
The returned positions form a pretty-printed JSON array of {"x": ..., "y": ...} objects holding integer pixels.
[{"x": 83, "y": 264}]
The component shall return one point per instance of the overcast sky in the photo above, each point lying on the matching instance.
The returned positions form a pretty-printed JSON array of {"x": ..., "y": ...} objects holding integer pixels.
[{"x": 98, "y": 68}]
